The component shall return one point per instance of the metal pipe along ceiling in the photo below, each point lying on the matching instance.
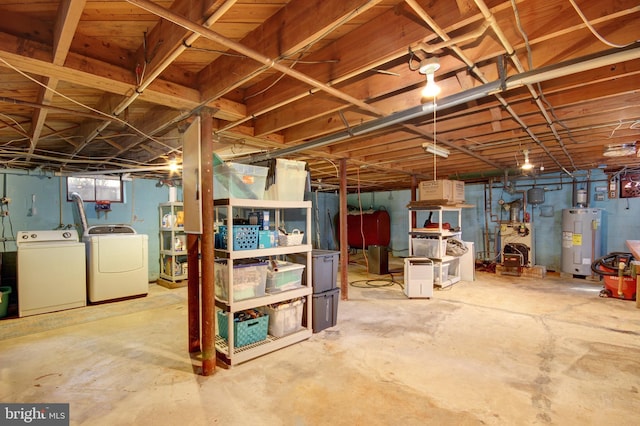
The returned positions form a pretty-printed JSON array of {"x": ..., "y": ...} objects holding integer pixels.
[
  {"x": 530, "y": 77},
  {"x": 516, "y": 61},
  {"x": 490, "y": 19}
]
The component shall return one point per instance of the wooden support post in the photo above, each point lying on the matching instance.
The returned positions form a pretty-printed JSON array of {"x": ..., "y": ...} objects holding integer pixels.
[
  {"x": 207, "y": 246},
  {"x": 193, "y": 292},
  {"x": 414, "y": 187},
  {"x": 344, "y": 244}
]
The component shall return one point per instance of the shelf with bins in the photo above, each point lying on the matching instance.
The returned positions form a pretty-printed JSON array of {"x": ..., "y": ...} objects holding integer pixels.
[
  {"x": 232, "y": 263},
  {"x": 173, "y": 242},
  {"x": 431, "y": 242}
]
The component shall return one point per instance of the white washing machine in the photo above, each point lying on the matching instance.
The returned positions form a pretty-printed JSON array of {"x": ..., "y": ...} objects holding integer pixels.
[
  {"x": 117, "y": 263},
  {"x": 51, "y": 271}
]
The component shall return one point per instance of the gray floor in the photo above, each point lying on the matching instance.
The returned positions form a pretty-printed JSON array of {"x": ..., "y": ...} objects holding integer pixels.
[{"x": 498, "y": 351}]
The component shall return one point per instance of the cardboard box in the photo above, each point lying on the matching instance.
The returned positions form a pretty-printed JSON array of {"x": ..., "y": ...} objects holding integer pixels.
[{"x": 447, "y": 191}]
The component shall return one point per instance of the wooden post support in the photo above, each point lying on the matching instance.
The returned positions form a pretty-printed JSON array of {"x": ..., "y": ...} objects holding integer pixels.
[
  {"x": 414, "y": 186},
  {"x": 207, "y": 247},
  {"x": 193, "y": 292},
  {"x": 344, "y": 244}
]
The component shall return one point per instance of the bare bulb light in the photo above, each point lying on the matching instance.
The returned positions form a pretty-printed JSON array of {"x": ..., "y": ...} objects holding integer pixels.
[
  {"x": 526, "y": 165},
  {"x": 431, "y": 89},
  {"x": 428, "y": 67}
]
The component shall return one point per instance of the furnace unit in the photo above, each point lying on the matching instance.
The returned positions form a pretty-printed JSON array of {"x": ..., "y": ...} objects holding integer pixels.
[{"x": 516, "y": 240}]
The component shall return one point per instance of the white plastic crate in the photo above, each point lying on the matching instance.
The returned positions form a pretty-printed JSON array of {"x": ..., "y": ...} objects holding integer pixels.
[
  {"x": 285, "y": 318},
  {"x": 290, "y": 181}
]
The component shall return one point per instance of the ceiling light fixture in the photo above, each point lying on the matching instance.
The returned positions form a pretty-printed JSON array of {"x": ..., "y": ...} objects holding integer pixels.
[
  {"x": 434, "y": 149},
  {"x": 428, "y": 67},
  {"x": 619, "y": 150},
  {"x": 526, "y": 165}
]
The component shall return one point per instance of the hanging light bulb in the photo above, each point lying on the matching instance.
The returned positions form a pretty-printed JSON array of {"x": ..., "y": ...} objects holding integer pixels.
[
  {"x": 526, "y": 165},
  {"x": 431, "y": 90},
  {"x": 428, "y": 67}
]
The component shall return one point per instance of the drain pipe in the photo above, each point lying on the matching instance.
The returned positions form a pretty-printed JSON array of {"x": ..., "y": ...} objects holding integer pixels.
[{"x": 81, "y": 212}]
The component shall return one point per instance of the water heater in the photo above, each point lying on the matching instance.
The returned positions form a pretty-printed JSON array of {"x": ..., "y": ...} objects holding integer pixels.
[{"x": 581, "y": 239}]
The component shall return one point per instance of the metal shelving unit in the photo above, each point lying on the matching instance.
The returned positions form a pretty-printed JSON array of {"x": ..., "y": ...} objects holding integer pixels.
[
  {"x": 440, "y": 235},
  {"x": 173, "y": 250},
  {"x": 225, "y": 347}
]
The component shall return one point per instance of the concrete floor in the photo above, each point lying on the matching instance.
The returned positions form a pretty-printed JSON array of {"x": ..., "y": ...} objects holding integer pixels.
[{"x": 499, "y": 351}]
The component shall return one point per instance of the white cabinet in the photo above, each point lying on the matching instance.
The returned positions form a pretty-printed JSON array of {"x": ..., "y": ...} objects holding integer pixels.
[
  {"x": 430, "y": 241},
  {"x": 173, "y": 243},
  {"x": 281, "y": 214}
]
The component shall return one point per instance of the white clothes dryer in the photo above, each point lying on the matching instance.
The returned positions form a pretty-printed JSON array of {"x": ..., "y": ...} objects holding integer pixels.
[{"x": 117, "y": 263}]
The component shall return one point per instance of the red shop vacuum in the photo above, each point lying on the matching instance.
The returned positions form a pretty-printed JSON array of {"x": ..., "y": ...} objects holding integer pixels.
[{"x": 617, "y": 272}]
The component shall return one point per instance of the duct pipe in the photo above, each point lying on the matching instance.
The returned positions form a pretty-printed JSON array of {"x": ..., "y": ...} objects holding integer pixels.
[
  {"x": 81, "y": 212},
  {"x": 250, "y": 53},
  {"x": 561, "y": 69}
]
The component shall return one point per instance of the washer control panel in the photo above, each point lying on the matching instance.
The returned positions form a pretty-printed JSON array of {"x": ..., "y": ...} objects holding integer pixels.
[{"x": 46, "y": 236}]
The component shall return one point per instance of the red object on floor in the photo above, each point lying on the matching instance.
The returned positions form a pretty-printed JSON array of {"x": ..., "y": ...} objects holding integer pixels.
[{"x": 628, "y": 287}]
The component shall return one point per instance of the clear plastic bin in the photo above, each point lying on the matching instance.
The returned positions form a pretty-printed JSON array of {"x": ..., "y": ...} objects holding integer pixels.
[
  {"x": 249, "y": 280},
  {"x": 235, "y": 180}
]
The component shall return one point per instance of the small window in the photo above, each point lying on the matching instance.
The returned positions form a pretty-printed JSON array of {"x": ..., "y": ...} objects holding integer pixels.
[{"x": 100, "y": 188}]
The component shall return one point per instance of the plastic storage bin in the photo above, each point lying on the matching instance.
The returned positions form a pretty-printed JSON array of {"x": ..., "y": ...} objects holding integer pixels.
[
  {"x": 287, "y": 276},
  {"x": 429, "y": 247},
  {"x": 244, "y": 332},
  {"x": 249, "y": 279},
  {"x": 440, "y": 272},
  {"x": 285, "y": 318},
  {"x": 245, "y": 237},
  {"x": 4, "y": 304},
  {"x": 324, "y": 269},
  {"x": 290, "y": 180},
  {"x": 325, "y": 310},
  {"x": 234, "y": 180}
]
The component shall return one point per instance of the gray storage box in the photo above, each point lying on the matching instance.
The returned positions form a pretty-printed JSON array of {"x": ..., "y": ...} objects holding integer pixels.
[
  {"x": 324, "y": 269},
  {"x": 325, "y": 309}
]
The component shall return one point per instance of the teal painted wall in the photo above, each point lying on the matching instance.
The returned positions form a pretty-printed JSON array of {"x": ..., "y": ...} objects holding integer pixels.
[
  {"x": 53, "y": 211},
  {"x": 619, "y": 216}
]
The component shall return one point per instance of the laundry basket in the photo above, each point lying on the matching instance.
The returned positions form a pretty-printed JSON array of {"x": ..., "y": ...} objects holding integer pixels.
[{"x": 5, "y": 291}]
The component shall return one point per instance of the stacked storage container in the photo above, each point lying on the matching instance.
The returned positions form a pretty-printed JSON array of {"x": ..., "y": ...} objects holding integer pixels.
[{"x": 326, "y": 294}]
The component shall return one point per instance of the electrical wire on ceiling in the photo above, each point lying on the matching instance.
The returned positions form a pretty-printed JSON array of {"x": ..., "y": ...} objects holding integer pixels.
[
  {"x": 516, "y": 13},
  {"x": 635, "y": 124},
  {"x": 303, "y": 50},
  {"x": 593, "y": 30},
  {"x": 108, "y": 116},
  {"x": 53, "y": 154}
]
